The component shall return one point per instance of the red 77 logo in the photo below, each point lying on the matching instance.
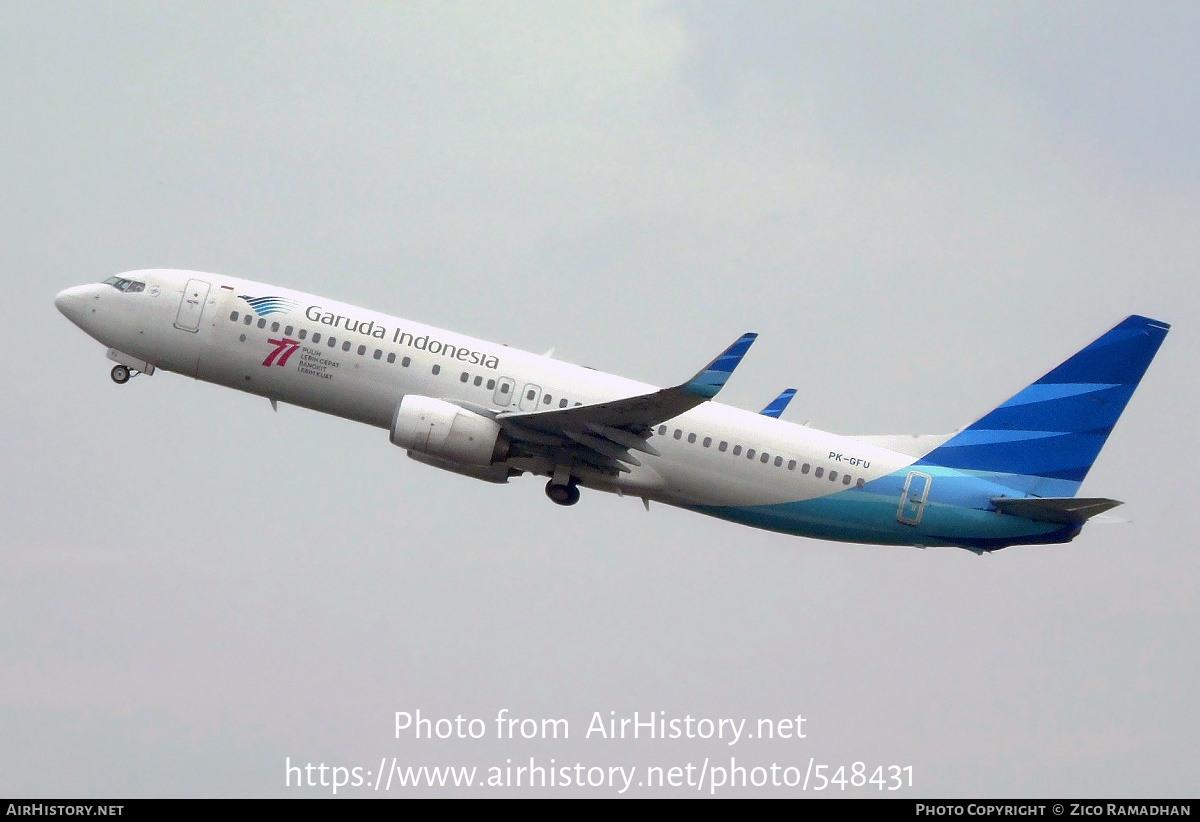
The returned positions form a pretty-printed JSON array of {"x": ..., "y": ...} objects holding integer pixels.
[{"x": 284, "y": 349}]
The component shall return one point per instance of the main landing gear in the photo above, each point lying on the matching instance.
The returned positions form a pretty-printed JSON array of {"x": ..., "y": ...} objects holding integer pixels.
[{"x": 563, "y": 494}]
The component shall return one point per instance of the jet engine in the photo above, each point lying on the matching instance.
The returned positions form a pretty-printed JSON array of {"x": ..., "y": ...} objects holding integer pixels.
[{"x": 442, "y": 430}]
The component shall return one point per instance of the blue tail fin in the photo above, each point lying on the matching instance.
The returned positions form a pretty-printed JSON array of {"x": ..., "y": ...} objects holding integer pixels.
[{"x": 1046, "y": 438}]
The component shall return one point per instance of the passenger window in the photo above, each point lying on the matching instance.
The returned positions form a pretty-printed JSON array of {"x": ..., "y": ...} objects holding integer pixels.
[
  {"x": 818, "y": 472},
  {"x": 678, "y": 433},
  {"x": 362, "y": 349},
  {"x": 846, "y": 479},
  {"x": 804, "y": 469},
  {"x": 233, "y": 317},
  {"x": 707, "y": 441},
  {"x": 562, "y": 403},
  {"x": 778, "y": 461},
  {"x": 691, "y": 438},
  {"x": 791, "y": 465},
  {"x": 505, "y": 388},
  {"x": 491, "y": 384},
  {"x": 546, "y": 400},
  {"x": 437, "y": 369},
  {"x": 378, "y": 353},
  {"x": 464, "y": 377},
  {"x": 531, "y": 395},
  {"x": 662, "y": 430},
  {"x": 331, "y": 342},
  {"x": 722, "y": 446},
  {"x": 391, "y": 356},
  {"x": 737, "y": 450},
  {"x": 478, "y": 381},
  {"x": 316, "y": 337},
  {"x": 406, "y": 362},
  {"x": 303, "y": 333},
  {"x": 833, "y": 476},
  {"x": 262, "y": 323},
  {"x": 765, "y": 458},
  {"x": 861, "y": 482},
  {"x": 288, "y": 331},
  {"x": 274, "y": 328},
  {"x": 249, "y": 319},
  {"x": 346, "y": 345},
  {"x": 750, "y": 453}
]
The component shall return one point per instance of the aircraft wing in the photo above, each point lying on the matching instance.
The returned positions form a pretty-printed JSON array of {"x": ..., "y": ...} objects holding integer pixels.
[{"x": 604, "y": 433}]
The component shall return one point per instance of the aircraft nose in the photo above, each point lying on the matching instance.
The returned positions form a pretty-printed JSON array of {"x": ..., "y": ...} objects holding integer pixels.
[{"x": 71, "y": 303}]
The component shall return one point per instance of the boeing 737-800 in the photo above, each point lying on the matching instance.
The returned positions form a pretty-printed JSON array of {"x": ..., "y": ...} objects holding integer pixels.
[{"x": 492, "y": 412}]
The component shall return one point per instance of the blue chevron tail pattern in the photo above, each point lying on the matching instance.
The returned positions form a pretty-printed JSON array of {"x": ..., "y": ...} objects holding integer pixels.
[{"x": 1044, "y": 440}]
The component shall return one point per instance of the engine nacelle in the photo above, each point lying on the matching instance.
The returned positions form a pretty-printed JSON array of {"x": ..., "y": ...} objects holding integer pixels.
[
  {"x": 498, "y": 473},
  {"x": 443, "y": 430}
]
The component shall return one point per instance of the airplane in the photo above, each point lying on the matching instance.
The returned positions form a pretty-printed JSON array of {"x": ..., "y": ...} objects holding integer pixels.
[{"x": 491, "y": 412}]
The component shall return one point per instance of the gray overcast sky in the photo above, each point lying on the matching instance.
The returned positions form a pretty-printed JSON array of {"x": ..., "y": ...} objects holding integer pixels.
[{"x": 921, "y": 208}]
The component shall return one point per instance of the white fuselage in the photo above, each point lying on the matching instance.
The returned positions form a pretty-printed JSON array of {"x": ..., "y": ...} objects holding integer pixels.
[
  {"x": 419, "y": 359},
  {"x": 339, "y": 359}
]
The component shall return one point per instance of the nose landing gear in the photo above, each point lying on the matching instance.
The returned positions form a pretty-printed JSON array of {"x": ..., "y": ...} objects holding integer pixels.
[{"x": 127, "y": 366}]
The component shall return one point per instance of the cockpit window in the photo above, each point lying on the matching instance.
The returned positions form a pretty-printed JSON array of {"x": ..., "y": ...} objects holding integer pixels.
[{"x": 122, "y": 284}]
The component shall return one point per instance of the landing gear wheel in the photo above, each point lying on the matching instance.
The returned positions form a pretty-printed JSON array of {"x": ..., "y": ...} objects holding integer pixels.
[
  {"x": 119, "y": 374},
  {"x": 562, "y": 494}
]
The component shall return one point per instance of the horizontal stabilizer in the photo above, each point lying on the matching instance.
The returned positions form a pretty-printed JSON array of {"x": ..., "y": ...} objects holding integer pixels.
[
  {"x": 1055, "y": 509},
  {"x": 915, "y": 445}
]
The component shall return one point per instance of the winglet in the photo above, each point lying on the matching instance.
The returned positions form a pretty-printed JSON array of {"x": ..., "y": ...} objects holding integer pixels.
[
  {"x": 713, "y": 376},
  {"x": 779, "y": 403}
]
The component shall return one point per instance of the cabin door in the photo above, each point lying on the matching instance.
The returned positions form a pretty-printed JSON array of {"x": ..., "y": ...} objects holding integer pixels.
[
  {"x": 912, "y": 502},
  {"x": 191, "y": 307}
]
